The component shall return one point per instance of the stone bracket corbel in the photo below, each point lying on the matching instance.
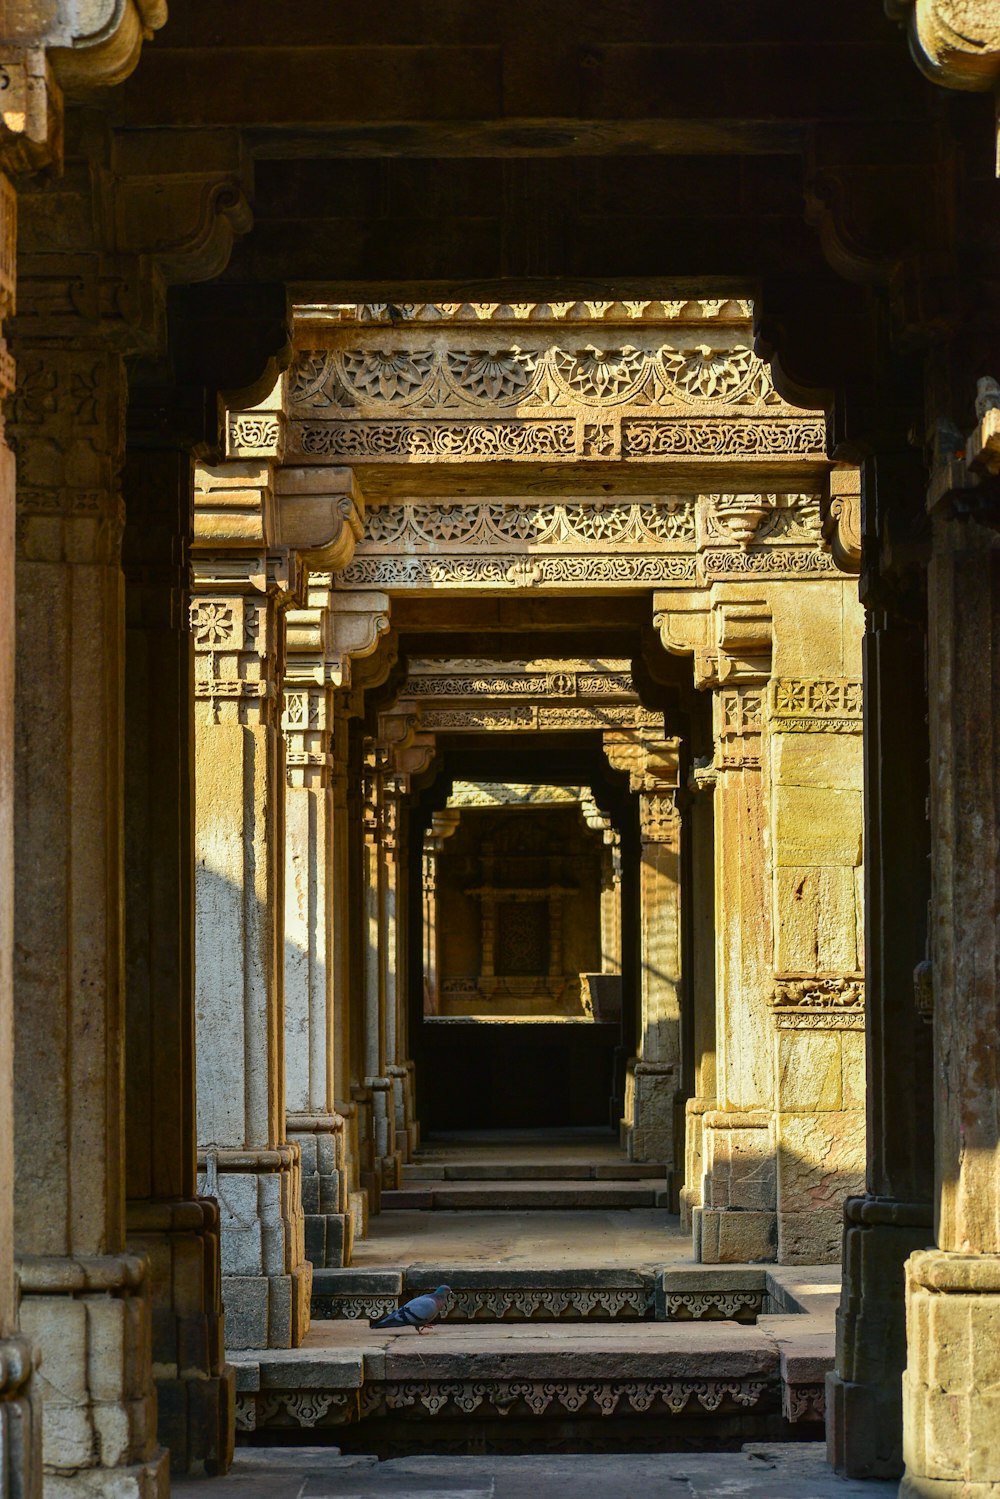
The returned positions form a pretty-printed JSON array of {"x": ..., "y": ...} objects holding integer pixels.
[
  {"x": 357, "y": 622},
  {"x": 841, "y": 517},
  {"x": 743, "y": 633},
  {"x": 108, "y": 51},
  {"x": 31, "y": 124},
  {"x": 413, "y": 759},
  {"x": 966, "y": 485},
  {"x": 321, "y": 515},
  {"x": 955, "y": 43},
  {"x": 684, "y": 621},
  {"x": 651, "y": 763},
  {"x": 233, "y": 541},
  {"x": 181, "y": 197}
]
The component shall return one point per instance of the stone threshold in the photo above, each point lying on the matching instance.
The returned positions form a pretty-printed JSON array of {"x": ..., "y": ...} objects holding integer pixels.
[
  {"x": 532, "y": 1171},
  {"x": 528, "y": 1195},
  {"x": 346, "y": 1372}
]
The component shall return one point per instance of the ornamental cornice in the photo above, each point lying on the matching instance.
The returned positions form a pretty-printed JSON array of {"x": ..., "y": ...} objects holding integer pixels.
[{"x": 474, "y": 314}]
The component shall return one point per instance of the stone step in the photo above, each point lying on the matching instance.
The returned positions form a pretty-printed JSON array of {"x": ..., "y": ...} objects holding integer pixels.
[
  {"x": 531, "y": 1171},
  {"x": 593, "y": 1293},
  {"x": 490, "y": 1294},
  {"x": 347, "y": 1373},
  {"x": 465, "y": 1196}
]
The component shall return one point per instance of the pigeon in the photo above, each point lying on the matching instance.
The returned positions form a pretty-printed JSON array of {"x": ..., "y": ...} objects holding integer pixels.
[{"x": 418, "y": 1313}]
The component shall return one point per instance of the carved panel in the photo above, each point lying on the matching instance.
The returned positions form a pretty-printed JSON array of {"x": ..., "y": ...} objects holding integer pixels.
[
  {"x": 819, "y": 1003},
  {"x": 738, "y": 727},
  {"x": 235, "y": 658},
  {"x": 818, "y": 706}
]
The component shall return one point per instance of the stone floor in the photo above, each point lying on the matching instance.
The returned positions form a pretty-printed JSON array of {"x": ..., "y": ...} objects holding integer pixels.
[
  {"x": 760, "y": 1471},
  {"x": 602, "y": 1232},
  {"x": 637, "y": 1238}
]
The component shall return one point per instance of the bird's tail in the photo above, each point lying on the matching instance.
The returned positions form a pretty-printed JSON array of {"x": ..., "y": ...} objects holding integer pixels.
[{"x": 388, "y": 1319}]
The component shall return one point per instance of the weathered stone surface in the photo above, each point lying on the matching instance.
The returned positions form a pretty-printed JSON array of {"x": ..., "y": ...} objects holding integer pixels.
[{"x": 820, "y": 1160}]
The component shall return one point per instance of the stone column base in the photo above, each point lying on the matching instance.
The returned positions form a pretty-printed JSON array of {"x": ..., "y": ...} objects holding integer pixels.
[
  {"x": 951, "y": 1385},
  {"x": 401, "y": 1107},
  {"x": 90, "y": 1319},
  {"x": 739, "y": 1219},
  {"x": 266, "y": 1278},
  {"x": 195, "y": 1387},
  {"x": 320, "y": 1138},
  {"x": 20, "y": 1422},
  {"x": 355, "y": 1199},
  {"x": 654, "y": 1101},
  {"x": 864, "y": 1395}
]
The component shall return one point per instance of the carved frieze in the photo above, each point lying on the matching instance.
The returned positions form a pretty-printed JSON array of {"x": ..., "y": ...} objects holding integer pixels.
[
  {"x": 375, "y": 377},
  {"x": 656, "y": 1398},
  {"x": 523, "y": 718},
  {"x": 831, "y": 1003},
  {"x": 520, "y": 679},
  {"x": 402, "y": 393},
  {"x": 664, "y": 540},
  {"x": 830, "y": 705},
  {"x": 495, "y": 524}
]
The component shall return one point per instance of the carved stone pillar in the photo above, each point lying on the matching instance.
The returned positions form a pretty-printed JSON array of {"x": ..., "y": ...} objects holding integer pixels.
[
  {"x": 165, "y": 1219},
  {"x": 244, "y": 1155},
  {"x": 443, "y": 825},
  {"x": 20, "y": 1413},
  {"x": 393, "y": 962},
  {"x": 951, "y": 1430},
  {"x": 654, "y": 1077},
  {"x": 738, "y": 1219},
  {"x": 310, "y": 1041},
  {"x": 611, "y": 903},
  {"x": 355, "y": 1208},
  {"x": 85, "y": 1301},
  {"x": 378, "y": 1086},
  {"x": 702, "y": 989},
  {"x": 397, "y": 732},
  {"x": 894, "y": 1217}
]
